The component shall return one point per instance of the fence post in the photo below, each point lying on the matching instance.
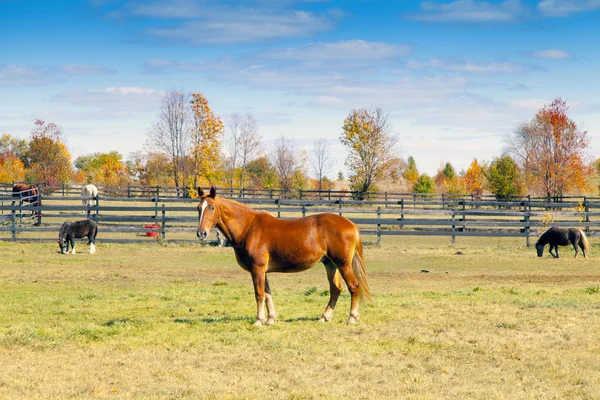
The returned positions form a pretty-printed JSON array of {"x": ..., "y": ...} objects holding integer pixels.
[
  {"x": 386, "y": 199},
  {"x": 157, "y": 192},
  {"x": 163, "y": 225},
  {"x": 340, "y": 206},
  {"x": 278, "y": 207},
  {"x": 14, "y": 221},
  {"x": 402, "y": 213},
  {"x": 464, "y": 216},
  {"x": 378, "y": 225},
  {"x": 526, "y": 220},
  {"x": 587, "y": 214},
  {"x": 129, "y": 191},
  {"x": 97, "y": 208},
  {"x": 303, "y": 210},
  {"x": 453, "y": 226}
]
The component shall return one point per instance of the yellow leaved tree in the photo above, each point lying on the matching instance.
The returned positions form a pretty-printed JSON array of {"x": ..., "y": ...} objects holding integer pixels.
[{"x": 207, "y": 137}]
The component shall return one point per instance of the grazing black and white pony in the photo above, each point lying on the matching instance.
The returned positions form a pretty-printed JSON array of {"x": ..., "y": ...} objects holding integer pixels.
[
  {"x": 562, "y": 237},
  {"x": 90, "y": 192},
  {"x": 76, "y": 230}
]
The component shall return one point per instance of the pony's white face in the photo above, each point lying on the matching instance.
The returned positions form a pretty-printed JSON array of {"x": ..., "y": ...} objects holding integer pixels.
[
  {"x": 208, "y": 215},
  {"x": 62, "y": 243}
]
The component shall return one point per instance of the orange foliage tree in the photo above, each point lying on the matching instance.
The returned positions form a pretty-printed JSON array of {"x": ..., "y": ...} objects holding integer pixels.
[
  {"x": 106, "y": 168},
  {"x": 208, "y": 135},
  {"x": 11, "y": 168},
  {"x": 551, "y": 149},
  {"x": 475, "y": 179},
  {"x": 47, "y": 157}
]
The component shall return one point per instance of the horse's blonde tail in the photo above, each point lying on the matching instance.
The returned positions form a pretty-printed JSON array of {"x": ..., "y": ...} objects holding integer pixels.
[
  {"x": 585, "y": 242},
  {"x": 358, "y": 267}
]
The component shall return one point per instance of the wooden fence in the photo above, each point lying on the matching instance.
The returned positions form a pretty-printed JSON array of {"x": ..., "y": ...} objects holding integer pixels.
[
  {"x": 137, "y": 191},
  {"x": 175, "y": 219}
]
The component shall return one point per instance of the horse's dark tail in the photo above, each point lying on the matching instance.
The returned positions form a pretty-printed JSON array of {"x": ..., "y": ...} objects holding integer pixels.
[
  {"x": 358, "y": 267},
  {"x": 584, "y": 242}
]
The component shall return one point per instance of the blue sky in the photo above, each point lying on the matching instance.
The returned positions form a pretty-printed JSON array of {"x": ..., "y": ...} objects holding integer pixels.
[{"x": 455, "y": 76}]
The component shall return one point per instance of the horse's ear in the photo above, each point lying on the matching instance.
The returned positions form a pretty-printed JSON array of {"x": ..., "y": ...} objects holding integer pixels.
[
  {"x": 200, "y": 192},
  {"x": 213, "y": 192}
]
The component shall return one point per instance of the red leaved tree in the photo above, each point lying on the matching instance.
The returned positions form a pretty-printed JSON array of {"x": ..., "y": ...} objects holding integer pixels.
[{"x": 552, "y": 151}]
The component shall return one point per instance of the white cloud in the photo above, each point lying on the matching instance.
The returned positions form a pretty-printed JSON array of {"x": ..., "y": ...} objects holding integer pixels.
[
  {"x": 83, "y": 69},
  {"x": 564, "y": 8},
  {"x": 471, "y": 11},
  {"x": 528, "y": 104},
  {"x": 27, "y": 75},
  {"x": 222, "y": 22},
  {"x": 552, "y": 54},
  {"x": 354, "y": 51},
  {"x": 472, "y": 66}
]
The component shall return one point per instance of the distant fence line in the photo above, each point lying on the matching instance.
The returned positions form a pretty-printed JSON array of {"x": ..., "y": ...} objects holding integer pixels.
[
  {"x": 135, "y": 191},
  {"x": 174, "y": 219}
]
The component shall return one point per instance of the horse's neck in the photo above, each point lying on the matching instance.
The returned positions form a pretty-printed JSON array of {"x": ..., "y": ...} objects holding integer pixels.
[{"x": 236, "y": 218}]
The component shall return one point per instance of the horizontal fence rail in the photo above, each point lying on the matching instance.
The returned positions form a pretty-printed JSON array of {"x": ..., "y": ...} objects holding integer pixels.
[{"x": 175, "y": 219}]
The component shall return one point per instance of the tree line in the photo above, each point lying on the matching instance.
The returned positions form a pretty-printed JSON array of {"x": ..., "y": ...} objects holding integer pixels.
[{"x": 189, "y": 146}]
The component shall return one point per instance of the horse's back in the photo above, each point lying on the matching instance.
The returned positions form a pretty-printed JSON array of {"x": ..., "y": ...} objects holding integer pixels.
[{"x": 89, "y": 190}]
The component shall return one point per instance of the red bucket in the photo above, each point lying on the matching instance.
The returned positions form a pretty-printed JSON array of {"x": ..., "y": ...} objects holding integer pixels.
[{"x": 149, "y": 233}]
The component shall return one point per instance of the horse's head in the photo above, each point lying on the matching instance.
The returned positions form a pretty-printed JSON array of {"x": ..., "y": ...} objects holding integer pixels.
[
  {"x": 540, "y": 249},
  {"x": 208, "y": 213}
]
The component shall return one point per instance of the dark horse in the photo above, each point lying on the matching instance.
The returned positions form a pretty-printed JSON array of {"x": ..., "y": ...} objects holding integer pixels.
[
  {"x": 562, "y": 237},
  {"x": 28, "y": 193},
  {"x": 76, "y": 230},
  {"x": 263, "y": 243}
]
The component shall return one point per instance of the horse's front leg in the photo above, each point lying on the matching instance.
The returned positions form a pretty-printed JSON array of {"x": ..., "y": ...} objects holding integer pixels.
[
  {"x": 259, "y": 277},
  {"x": 270, "y": 306},
  {"x": 576, "y": 249},
  {"x": 72, "y": 245}
]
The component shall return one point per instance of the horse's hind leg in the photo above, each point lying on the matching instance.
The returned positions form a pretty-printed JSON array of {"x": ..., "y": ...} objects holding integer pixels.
[
  {"x": 352, "y": 283},
  {"x": 272, "y": 315},
  {"x": 335, "y": 288}
]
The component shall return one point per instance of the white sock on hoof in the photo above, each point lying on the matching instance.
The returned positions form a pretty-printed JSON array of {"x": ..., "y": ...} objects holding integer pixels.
[
  {"x": 73, "y": 251},
  {"x": 92, "y": 248}
]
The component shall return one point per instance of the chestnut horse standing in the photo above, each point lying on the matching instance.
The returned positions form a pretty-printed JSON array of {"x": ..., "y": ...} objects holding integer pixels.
[{"x": 263, "y": 243}]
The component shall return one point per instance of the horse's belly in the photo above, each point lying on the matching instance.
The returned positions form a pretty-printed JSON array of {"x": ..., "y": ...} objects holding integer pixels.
[{"x": 287, "y": 265}]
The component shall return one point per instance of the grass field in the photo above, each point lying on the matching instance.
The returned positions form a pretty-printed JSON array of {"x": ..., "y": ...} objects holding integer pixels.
[{"x": 488, "y": 320}]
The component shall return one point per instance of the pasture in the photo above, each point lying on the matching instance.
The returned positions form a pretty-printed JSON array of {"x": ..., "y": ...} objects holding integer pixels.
[{"x": 489, "y": 319}]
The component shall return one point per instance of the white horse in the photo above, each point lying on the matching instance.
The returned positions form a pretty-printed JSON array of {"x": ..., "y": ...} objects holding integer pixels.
[{"x": 90, "y": 191}]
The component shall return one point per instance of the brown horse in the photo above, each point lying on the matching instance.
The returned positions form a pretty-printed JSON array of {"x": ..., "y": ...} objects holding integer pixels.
[
  {"x": 29, "y": 193},
  {"x": 263, "y": 243}
]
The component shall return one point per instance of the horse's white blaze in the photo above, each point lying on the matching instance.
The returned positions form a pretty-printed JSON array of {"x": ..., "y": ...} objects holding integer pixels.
[
  {"x": 204, "y": 205},
  {"x": 92, "y": 248}
]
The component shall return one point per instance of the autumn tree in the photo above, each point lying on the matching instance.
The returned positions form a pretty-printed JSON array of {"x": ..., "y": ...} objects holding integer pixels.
[
  {"x": 371, "y": 148},
  {"x": 445, "y": 176},
  {"x": 12, "y": 145},
  {"x": 243, "y": 145},
  {"x": 289, "y": 164},
  {"x": 11, "y": 168},
  {"x": 475, "y": 179},
  {"x": 207, "y": 136},
  {"x": 411, "y": 172},
  {"x": 424, "y": 184},
  {"x": 504, "y": 178},
  {"x": 262, "y": 174},
  {"x": 150, "y": 169},
  {"x": 172, "y": 134},
  {"x": 47, "y": 156},
  {"x": 552, "y": 149},
  {"x": 106, "y": 168},
  {"x": 321, "y": 161}
]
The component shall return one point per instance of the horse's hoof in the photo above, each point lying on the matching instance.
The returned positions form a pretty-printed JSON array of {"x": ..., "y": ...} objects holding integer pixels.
[
  {"x": 351, "y": 321},
  {"x": 271, "y": 321},
  {"x": 258, "y": 323}
]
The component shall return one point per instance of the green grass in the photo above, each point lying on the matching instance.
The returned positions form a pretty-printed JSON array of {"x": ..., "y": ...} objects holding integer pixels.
[{"x": 175, "y": 321}]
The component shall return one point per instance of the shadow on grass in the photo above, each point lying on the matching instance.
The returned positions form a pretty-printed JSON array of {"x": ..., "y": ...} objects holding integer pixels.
[{"x": 230, "y": 319}]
